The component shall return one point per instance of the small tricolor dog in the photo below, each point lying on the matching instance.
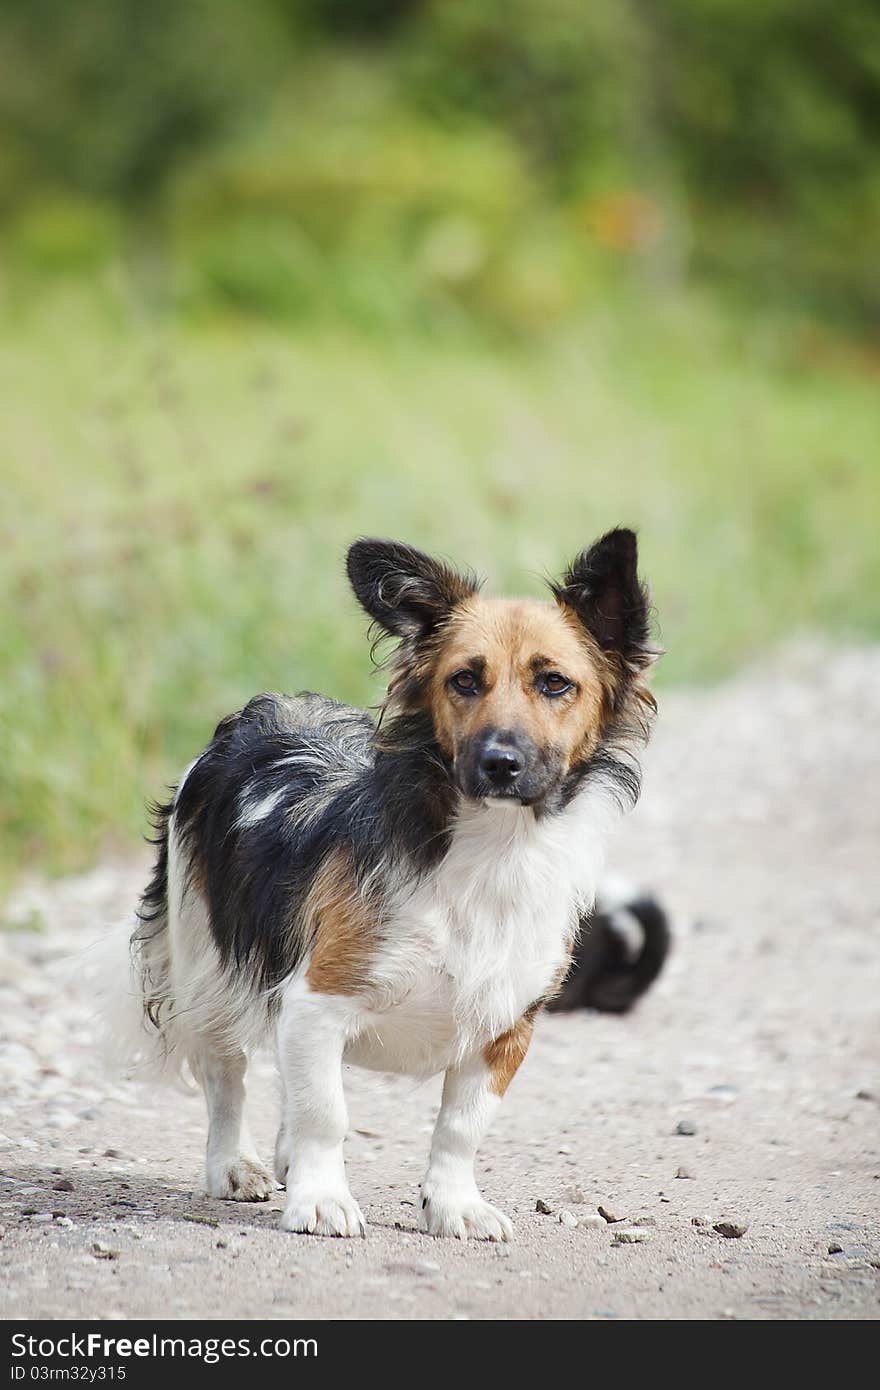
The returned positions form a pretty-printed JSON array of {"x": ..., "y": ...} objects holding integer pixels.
[{"x": 401, "y": 893}]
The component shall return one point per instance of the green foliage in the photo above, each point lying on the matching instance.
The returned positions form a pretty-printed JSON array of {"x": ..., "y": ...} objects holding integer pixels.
[
  {"x": 62, "y": 233},
  {"x": 108, "y": 97},
  {"x": 754, "y": 122},
  {"x": 567, "y": 79},
  {"x": 294, "y": 158},
  {"x": 382, "y": 220},
  {"x": 367, "y": 19},
  {"x": 747, "y": 100}
]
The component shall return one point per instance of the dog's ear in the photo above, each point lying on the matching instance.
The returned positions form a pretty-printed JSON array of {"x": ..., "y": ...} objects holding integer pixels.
[
  {"x": 405, "y": 592},
  {"x": 603, "y": 588}
]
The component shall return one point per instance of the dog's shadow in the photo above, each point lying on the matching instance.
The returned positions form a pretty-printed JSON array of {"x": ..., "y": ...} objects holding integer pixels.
[
  {"x": 141, "y": 1199},
  {"x": 132, "y": 1197}
]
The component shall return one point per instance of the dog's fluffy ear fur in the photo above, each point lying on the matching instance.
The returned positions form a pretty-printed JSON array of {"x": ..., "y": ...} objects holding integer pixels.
[
  {"x": 405, "y": 592},
  {"x": 602, "y": 587}
]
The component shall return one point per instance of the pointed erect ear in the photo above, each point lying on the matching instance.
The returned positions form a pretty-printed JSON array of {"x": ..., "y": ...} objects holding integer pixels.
[
  {"x": 602, "y": 587},
  {"x": 405, "y": 592}
]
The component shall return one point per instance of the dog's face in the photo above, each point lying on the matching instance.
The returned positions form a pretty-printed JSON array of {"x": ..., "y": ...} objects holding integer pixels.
[
  {"x": 516, "y": 695},
  {"x": 519, "y": 692}
]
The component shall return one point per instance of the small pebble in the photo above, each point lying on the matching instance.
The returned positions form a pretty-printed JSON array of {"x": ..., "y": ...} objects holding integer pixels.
[
  {"x": 683, "y": 1172},
  {"x": 610, "y": 1215},
  {"x": 61, "y": 1119},
  {"x": 731, "y": 1229},
  {"x": 835, "y": 1249},
  {"x": 568, "y": 1218},
  {"x": 593, "y": 1222},
  {"x": 725, "y": 1094},
  {"x": 864, "y": 1094},
  {"x": 424, "y": 1268},
  {"x": 645, "y": 1221},
  {"x": 103, "y": 1252},
  {"x": 685, "y": 1127},
  {"x": 543, "y": 1207},
  {"x": 699, "y": 1221},
  {"x": 64, "y": 1221},
  {"x": 62, "y": 1185},
  {"x": 630, "y": 1237}
]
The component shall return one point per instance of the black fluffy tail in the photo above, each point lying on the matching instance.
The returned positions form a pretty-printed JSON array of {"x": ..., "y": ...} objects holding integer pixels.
[{"x": 620, "y": 953}]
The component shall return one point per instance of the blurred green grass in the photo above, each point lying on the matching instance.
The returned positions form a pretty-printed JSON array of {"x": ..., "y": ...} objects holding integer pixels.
[{"x": 179, "y": 497}]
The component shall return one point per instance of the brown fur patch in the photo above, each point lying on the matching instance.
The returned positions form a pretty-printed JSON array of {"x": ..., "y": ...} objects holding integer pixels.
[
  {"x": 344, "y": 929},
  {"x": 503, "y": 1055},
  {"x": 513, "y": 641}
]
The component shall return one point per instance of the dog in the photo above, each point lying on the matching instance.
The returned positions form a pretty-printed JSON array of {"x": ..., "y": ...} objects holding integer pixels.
[{"x": 401, "y": 893}]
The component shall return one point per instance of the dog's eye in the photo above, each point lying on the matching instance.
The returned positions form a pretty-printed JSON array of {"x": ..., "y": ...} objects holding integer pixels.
[
  {"x": 465, "y": 682},
  {"x": 552, "y": 683}
]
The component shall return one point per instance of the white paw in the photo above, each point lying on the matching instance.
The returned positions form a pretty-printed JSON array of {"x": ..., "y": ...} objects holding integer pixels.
[
  {"x": 449, "y": 1214},
  {"x": 333, "y": 1213},
  {"x": 244, "y": 1180}
]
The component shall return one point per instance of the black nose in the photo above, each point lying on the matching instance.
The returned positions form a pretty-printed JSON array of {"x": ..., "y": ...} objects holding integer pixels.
[{"x": 501, "y": 764}]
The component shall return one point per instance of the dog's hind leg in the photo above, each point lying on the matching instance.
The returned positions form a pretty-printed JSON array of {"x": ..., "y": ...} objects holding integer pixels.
[
  {"x": 207, "y": 1023},
  {"x": 233, "y": 1170}
]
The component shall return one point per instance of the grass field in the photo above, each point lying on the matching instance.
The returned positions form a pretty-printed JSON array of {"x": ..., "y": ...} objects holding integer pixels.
[{"x": 177, "y": 502}]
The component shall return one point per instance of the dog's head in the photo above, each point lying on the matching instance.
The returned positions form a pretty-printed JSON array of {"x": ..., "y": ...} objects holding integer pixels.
[{"x": 520, "y": 693}]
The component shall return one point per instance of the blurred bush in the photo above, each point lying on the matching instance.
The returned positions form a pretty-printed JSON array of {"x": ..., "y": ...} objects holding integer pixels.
[
  {"x": 109, "y": 97},
  {"x": 423, "y": 161}
]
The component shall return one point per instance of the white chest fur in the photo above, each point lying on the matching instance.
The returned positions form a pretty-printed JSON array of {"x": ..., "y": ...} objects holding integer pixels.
[{"x": 484, "y": 935}]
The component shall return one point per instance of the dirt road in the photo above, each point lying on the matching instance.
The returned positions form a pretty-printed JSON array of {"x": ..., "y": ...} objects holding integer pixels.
[{"x": 760, "y": 825}]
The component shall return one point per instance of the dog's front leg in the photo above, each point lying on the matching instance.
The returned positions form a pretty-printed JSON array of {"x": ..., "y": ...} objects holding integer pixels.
[
  {"x": 312, "y": 1032},
  {"x": 451, "y": 1201}
]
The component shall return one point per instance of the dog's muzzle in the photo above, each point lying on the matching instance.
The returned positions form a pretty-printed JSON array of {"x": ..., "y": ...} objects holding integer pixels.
[{"x": 504, "y": 765}]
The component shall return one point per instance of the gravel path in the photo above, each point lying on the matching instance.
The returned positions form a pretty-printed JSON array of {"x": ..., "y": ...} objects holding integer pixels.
[{"x": 760, "y": 825}]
